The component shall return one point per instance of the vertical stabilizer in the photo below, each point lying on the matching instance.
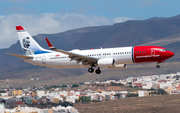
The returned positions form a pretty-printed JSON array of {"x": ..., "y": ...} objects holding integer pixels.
[{"x": 28, "y": 44}]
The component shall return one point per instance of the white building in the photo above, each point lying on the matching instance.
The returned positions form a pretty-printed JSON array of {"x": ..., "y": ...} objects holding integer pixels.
[
  {"x": 149, "y": 85},
  {"x": 4, "y": 94},
  {"x": 41, "y": 93},
  {"x": 164, "y": 84},
  {"x": 112, "y": 97},
  {"x": 142, "y": 93},
  {"x": 86, "y": 82},
  {"x": 71, "y": 99},
  {"x": 1, "y": 106}
]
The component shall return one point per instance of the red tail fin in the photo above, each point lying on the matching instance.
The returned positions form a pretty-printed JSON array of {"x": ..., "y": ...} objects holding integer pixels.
[{"x": 19, "y": 28}]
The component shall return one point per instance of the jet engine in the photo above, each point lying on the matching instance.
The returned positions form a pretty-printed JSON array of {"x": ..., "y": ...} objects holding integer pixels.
[{"x": 106, "y": 62}]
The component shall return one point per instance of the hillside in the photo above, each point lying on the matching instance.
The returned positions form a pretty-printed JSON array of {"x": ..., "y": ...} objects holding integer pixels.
[
  {"x": 154, "y": 31},
  {"x": 158, "y": 104}
]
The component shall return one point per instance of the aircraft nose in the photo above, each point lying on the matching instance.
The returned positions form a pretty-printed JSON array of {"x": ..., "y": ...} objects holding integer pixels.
[{"x": 170, "y": 54}]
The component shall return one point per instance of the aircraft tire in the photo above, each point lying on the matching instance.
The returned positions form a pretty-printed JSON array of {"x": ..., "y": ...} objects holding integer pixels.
[
  {"x": 98, "y": 71},
  {"x": 90, "y": 70},
  {"x": 157, "y": 66}
]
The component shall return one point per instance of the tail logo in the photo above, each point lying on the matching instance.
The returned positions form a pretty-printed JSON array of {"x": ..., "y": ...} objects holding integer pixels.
[{"x": 26, "y": 45}]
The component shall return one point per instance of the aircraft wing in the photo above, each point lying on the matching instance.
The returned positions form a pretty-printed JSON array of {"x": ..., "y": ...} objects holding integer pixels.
[
  {"x": 20, "y": 56},
  {"x": 78, "y": 57}
]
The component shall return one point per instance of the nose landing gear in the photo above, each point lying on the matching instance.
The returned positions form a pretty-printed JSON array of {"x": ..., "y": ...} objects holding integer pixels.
[
  {"x": 161, "y": 61},
  {"x": 157, "y": 66}
]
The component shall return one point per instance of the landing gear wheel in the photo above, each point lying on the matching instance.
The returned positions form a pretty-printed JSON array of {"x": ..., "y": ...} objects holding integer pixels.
[
  {"x": 98, "y": 71},
  {"x": 157, "y": 66},
  {"x": 90, "y": 70}
]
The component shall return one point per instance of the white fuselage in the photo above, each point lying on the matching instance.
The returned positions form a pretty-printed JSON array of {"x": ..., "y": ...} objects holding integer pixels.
[{"x": 121, "y": 55}]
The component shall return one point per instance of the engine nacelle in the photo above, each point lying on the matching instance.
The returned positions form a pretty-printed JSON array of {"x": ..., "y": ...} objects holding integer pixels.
[
  {"x": 106, "y": 62},
  {"x": 119, "y": 66}
]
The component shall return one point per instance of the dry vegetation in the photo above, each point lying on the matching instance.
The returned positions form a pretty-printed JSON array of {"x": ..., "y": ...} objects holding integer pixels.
[{"x": 153, "y": 104}]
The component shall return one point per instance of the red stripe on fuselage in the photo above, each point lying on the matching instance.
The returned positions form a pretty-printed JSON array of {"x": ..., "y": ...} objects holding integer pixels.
[{"x": 145, "y": 54}]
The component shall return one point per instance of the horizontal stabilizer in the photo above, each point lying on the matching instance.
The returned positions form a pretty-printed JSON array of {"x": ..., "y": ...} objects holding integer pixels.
[{"x": 20, "y": 56}]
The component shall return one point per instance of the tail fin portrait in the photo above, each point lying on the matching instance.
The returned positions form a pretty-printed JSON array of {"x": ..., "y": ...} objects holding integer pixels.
[{"x": 28, "y": 44}]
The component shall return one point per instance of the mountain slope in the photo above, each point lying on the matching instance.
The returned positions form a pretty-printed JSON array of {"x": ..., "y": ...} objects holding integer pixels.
[{"x": 154, "y": 31}]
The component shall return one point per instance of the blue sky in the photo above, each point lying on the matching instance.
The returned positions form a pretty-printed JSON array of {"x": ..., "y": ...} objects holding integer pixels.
[
  {"x": 140, "y": 9},
  {"x": 52, "y": 16}
]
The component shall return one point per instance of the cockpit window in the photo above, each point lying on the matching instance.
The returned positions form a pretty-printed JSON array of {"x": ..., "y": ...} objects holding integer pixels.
[{"x": 162, "y": 49}]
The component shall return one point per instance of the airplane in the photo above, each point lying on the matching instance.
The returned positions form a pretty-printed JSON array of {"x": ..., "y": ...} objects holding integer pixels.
[{"x": 113, "y": 58}]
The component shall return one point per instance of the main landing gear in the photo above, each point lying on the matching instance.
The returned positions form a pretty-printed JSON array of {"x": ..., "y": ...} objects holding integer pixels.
[
  {"x": 98, "y": 71},
  {"x": 91, "y": 70}
]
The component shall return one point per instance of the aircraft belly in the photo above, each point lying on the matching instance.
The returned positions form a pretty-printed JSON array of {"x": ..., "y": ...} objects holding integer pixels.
[
  {"x": 32, "y": 61},
  {"x": 65, "y": 63}
]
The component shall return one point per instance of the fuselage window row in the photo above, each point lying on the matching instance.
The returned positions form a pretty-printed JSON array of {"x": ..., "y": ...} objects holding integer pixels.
[
  {"x": 122, "y": 53},
  {"x": 58, "y": 58},
  {"x": 99, "y": 54},
  {"x": 140, "y": 52}
]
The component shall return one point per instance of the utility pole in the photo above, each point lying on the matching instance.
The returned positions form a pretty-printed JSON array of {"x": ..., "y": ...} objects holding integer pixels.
[{"x": 7, "y": 84}]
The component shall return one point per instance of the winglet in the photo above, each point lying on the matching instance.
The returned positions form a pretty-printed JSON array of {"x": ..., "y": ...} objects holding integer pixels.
[
  {"x": 49, "y": 44},
  {"x": 19, "y": 28}
]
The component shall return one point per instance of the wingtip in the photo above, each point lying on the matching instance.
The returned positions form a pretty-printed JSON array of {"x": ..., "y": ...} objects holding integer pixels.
[{"x": 19, "y": 28}]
